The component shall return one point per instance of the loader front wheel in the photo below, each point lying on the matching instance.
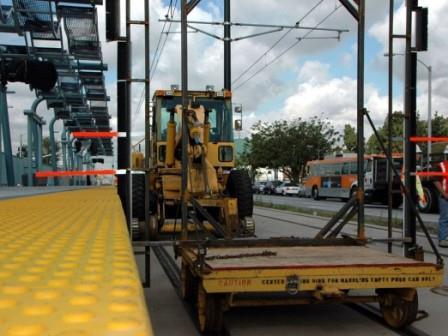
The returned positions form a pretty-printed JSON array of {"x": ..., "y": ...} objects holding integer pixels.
[{"x": 240, "y": 187}]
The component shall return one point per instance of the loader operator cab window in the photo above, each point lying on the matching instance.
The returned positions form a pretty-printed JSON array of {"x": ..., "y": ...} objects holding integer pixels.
[{"x": 220, "y": 117}]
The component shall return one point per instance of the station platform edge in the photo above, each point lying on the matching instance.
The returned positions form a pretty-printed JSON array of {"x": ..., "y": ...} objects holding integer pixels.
[{"x": 67, "y": 267}]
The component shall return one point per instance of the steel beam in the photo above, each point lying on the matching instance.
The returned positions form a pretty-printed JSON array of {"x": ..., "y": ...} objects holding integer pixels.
[
  {"x": 184, "y": 83},
  {"x": 31, "y": 139},
  {"x": 389, "y": 121},
  {"x": 410, "y": 124},
  {"x": 123, "y": 122},
  {"x": 191, "y": 5},
  {"x": 54, "y": 163},
  {"x": 351, "y": 9},
  {"x": 227, "y": 47},
  {"x": 147, "y": 116},
  {"x": 360, "y": 117},
  {"x": 64, "y": 148}
]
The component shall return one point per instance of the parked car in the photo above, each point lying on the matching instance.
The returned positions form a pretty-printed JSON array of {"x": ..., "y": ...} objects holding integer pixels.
[
  {"x": 258, "y": 187},
  {"x": 287, "y": 188},
  {"x": 270, "y": 186}
]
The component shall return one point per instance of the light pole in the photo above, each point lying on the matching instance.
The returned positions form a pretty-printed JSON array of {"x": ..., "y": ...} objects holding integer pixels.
[
  {"x": 429, "y": 68},
  {"x": 21, "y": 146}
]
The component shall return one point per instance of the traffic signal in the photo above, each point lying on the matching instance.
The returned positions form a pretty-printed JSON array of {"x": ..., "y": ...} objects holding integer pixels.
[
  {"x": 112, "y": 20},
  {"x": 421, "y": 29}
]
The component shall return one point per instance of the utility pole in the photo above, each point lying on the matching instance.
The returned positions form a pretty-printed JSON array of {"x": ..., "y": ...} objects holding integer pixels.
[
  {"x": 184, "y": 83},
  {"x": 21, "y": 146},
  {"x": 123, "y": 116},
  {"x": 389, "y": 122},
  {"x": 360, "y": 118},
  {"x": 227, "y": 47},
  {"x": 429, "y": 149},
  {"x": 410, "y": 130}
]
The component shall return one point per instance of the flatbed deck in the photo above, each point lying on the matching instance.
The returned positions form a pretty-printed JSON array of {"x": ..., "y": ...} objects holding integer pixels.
[{"x": 262, "y": 269}]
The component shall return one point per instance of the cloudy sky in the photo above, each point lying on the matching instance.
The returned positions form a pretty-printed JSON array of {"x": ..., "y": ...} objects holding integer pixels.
[{"x": 314, "y": 77}]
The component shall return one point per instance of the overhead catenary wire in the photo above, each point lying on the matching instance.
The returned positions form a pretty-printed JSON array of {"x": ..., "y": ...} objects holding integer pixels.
[
  {"x": 276, "y": 43},
  {"x": 156, "y": 60},
  {"x": 157, "y": 53},
  {"x": 289, "y": 48}
]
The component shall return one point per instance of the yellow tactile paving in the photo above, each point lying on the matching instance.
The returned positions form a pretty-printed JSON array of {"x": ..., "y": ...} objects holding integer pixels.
[{"x": 67, "y": 267}]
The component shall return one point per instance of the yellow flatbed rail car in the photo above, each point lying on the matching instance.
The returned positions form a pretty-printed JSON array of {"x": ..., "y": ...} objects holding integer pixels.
[
  {"x": 287, "y": 275},
  {"x": 67, "y": 267}
]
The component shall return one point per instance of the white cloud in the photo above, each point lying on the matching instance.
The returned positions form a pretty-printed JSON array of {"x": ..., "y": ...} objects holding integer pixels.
[
  {"x": 312, "y": 90},
  {"x": 435, "y": 56},
  {"x": 333, "y": 99}
]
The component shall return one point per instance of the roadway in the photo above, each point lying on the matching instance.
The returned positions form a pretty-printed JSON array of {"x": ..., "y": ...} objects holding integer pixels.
[{"x": 334, "y": 204}]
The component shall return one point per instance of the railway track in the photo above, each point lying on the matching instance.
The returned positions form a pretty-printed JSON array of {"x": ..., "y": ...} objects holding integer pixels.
[
  {"x": 172, "y": 271},
  {"x": 317, "y": 228}
]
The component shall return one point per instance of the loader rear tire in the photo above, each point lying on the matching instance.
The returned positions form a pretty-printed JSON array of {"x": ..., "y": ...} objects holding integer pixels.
[
  {"x": 240, "y": 187},
  {"x": 138, "y": 196}
]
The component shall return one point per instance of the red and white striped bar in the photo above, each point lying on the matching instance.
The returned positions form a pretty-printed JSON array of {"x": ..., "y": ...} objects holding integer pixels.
[
  {"x": 426, "y": 139},
  {"x": 431, "y": 174},
  {"x": 102, "y": 135},
  {"x": 44, "y": 174}
]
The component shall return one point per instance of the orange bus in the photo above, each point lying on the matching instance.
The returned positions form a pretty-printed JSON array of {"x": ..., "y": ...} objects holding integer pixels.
[{"x": 337, "y": 177}]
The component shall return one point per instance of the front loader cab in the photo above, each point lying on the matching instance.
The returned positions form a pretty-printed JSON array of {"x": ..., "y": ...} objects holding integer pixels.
[{"x": 216, "y": 105}]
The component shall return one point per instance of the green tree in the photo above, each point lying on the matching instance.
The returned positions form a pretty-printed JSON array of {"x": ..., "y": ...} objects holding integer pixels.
[
  {"x": 350, "y": 140},
  {"x": 439, "y": 125},
  {"x": 289, "y": 145},
  {"x": 373, "y": 146},
  {"x": 46, "y": 150}
]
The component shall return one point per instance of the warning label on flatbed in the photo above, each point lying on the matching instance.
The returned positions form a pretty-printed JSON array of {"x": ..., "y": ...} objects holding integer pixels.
[{"x": 314, "y": 282}]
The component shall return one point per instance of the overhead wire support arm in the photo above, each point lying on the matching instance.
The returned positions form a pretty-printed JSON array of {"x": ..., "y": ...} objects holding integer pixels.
[
  {"x": 233, "y": 39},
  {"x": 259, "y": 25},
  {"x": 255, "y": 35}
]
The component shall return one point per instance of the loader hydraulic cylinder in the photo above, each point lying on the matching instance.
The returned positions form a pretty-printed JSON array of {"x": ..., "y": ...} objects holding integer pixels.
[{"x": 170, "y": 141}]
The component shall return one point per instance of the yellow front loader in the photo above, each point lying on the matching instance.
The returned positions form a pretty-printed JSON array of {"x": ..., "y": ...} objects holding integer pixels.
[{"x": 219, "y": 196}]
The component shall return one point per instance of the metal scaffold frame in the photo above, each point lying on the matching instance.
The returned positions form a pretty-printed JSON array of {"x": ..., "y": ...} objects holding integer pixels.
[{"x": 79, "y": 98}]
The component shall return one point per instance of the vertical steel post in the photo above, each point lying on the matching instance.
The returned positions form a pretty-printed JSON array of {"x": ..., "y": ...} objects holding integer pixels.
[
  {"x": 429, "y": 150},
  {"x": 30, "y": 140},
  {"x": 71, "y": 157},
  {"x": 409, "y": 130},
  {"x": 4, "y": 117},
  {"x": 124, "y": 118},
  {"x": 64, "y": 148},
  {"x": 147, "y": 112},
  {"x": 38, "y": 144},
  {"x": 360, "y": 118},
  {"x": 227, "y": 47},
  {"x": 389, "y": 122},
  {"x": 184, "y": 62},
  {"x": 31, "y": 137},
  {"x": 54, "y": 163},
  {"x": 129, "y": 116}
]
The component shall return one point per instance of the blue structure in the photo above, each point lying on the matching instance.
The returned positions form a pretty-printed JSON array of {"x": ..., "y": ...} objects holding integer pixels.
[{"x": 79, "y": 98}]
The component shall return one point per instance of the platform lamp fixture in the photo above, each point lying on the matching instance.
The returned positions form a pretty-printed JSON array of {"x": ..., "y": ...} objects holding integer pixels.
[{"x": 41, "y": 75}]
